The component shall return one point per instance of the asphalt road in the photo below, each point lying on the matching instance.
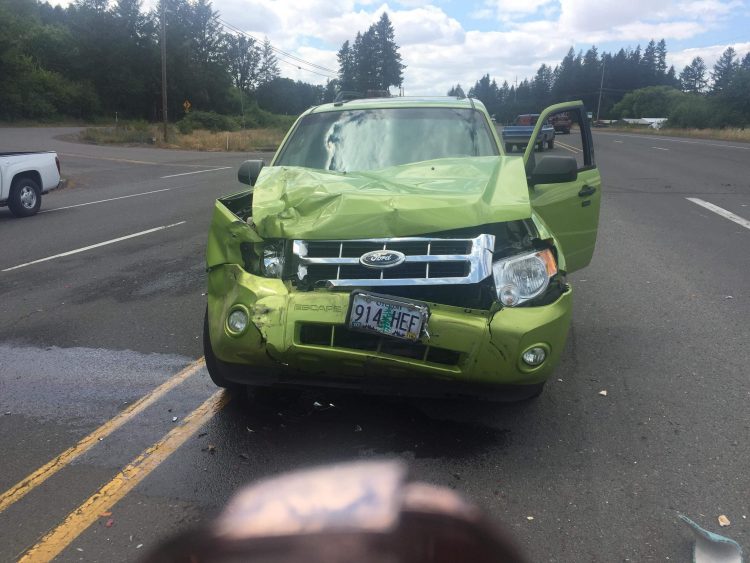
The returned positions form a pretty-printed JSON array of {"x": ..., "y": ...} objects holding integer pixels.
[{"x": 660, "y": 323}]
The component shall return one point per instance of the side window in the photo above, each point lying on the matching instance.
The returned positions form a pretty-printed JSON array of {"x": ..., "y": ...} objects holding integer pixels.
[{"x": 572, "y": 137}]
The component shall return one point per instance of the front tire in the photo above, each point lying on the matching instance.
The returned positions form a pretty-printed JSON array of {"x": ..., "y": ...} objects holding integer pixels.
[
  {"x": 551, "y": 144},
  {"x": 25, "y": 197}
]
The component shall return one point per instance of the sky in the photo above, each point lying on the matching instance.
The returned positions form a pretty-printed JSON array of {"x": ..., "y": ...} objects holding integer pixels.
[{"x": 448, "y": 42}]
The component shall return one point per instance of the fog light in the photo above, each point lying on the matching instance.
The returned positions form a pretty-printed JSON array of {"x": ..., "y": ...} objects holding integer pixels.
[
  {"x": 237, "y": 321},
  {"x": 534, "y": 356}
]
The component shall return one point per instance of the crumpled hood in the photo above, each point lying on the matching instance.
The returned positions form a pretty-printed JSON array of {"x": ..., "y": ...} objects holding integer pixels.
[{"x": 423, "y": 197}]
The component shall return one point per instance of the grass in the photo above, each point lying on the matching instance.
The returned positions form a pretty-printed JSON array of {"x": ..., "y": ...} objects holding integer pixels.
[
  {"x": 742, "y": 135},
  {"x": 142, "y": 133}
]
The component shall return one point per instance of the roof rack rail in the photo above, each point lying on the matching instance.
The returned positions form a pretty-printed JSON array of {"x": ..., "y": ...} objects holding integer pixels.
[{"x": 348, "y": 95}]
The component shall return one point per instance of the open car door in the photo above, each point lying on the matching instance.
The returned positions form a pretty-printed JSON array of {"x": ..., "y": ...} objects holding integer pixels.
[{"x": 565, "y": 186}]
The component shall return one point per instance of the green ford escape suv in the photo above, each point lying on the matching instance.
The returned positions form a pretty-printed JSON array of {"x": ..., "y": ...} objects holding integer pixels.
[{"x": 392, "y": 247}]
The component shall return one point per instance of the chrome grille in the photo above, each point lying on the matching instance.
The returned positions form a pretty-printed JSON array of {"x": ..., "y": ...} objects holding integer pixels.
[{"x": 429, "y": 261}]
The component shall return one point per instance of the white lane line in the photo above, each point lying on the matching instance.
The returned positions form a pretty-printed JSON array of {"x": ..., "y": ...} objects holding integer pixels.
[
  {"x": 673, "y": 140},
  {"x": 196, "y": 172},
  {"x": 721, "y": 211},
  {"x": 103, "y": 200},
  {"x": 660, "y": 148},
  {"x": 97, "y": 245}
]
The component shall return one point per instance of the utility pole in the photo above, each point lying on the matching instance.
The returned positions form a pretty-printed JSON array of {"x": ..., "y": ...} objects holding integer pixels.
[
  {"x": 601, "y": 86},
  {"x": 163, "y": 42}
]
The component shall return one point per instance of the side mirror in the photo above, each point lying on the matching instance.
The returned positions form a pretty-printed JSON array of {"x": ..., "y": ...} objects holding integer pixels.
[
  {"x": 554, "y": 170},
  {"x": 249, "y": 171}
]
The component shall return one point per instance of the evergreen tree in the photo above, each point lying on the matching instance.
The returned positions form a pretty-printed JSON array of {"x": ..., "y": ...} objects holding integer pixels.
[
  {"x": 724, "y": 70},
  {"x": 389, "y": 68},
  {"x": 347, "y": 67},
  {"x": 693, "y": 76},
  {"x": 372, "y": 62},
  {"x": 456, "y": 91},
  {"x": 269, "y": 66}
]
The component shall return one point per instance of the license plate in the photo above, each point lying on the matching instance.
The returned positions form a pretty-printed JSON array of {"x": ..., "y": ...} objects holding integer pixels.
[{"x": 387, "y": 316}]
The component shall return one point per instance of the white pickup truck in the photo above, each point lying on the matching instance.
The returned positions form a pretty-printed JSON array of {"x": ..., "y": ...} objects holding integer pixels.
[{"x": 24, "y": 177}]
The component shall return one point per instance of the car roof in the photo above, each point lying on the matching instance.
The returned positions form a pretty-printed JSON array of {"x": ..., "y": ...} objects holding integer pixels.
[{"x": 399, "y": 102}]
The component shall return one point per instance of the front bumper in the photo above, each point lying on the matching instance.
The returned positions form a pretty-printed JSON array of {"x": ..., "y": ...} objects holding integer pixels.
[{"x": 466, "y": 347}]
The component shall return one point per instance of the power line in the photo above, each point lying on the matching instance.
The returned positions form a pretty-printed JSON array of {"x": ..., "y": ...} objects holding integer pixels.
[{"x": 296, "y": 61}]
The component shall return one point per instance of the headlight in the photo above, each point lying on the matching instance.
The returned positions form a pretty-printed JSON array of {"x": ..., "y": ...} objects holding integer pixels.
[
  {"x": 523, "y": 277},
  {"x": 272, "y": 264}
]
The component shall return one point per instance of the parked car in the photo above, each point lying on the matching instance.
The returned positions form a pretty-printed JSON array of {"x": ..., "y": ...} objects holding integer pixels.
[
  {"x": 562, "y": 123},
  {"x": 24, "y": 177},
  {"x": 521, "y": 132},
  {"x": 417, "y": 262}
]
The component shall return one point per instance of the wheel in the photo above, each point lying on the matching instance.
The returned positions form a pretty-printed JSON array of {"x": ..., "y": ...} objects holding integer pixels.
[
  {"x": 551, "y": 144},
  {"x": 508, "y": 147},
  {"x": 540, "y": 146},
  {"x": 25, "y": 197},
  {"x": 217, "y": 370}
]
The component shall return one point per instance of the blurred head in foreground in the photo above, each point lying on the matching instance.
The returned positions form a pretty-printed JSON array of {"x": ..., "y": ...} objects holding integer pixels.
[{"x": 364, "y": 512}]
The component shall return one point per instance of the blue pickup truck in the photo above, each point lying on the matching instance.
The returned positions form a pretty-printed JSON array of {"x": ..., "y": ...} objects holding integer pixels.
[{"x": 519, "y": 134}]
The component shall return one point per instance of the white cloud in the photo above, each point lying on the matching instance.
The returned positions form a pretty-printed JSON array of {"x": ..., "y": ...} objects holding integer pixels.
[
  {"x": 506, "y": 9},
  {"x": 710, "y": 54}
]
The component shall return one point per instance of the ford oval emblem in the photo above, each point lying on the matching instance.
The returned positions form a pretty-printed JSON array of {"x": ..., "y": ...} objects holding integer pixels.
[{"x": 382, "y": 259}]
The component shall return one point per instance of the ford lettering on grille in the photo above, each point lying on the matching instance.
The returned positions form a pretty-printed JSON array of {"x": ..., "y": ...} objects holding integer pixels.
[{"x": 382, "y": 259}]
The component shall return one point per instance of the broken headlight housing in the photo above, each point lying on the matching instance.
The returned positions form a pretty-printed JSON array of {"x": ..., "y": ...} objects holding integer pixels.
[
  {"x": 273, "y": 259},
  {"x": 523, "y": 277}
]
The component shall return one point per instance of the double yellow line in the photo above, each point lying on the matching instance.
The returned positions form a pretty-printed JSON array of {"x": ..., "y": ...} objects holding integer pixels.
[
  {"x": 567, "y": 147},
  {"x": 106, "y": 497}
]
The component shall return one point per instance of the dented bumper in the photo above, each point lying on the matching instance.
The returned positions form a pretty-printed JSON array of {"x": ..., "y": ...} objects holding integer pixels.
[{"x": 301, "y": 338}]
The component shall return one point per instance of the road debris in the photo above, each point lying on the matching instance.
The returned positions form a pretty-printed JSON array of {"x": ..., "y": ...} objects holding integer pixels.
[
  {"x": 245, "y": 456},
  {"x": 603, "y": 392},
  {"x": 174, "y": 419},
  {"x": 712, "y": 548},
  {"x": 139, "y": 546},
  {"x": 105, "y": 514},
  {"x": 210, "y": 449},
  {"x": 357, "y": 428},
  {"x": 723, "y": 521},
  {"x": 529, "y": 518},
  {"x": 109, "y": 523},
  {"x": 249, "y": 429},
  {"x": 728, "y": 297}
]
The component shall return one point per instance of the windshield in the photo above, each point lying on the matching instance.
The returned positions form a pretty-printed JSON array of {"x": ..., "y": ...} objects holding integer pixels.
[{"x": 371, "y": 139}]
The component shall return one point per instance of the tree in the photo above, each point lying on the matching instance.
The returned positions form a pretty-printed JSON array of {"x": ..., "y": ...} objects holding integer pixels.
[
  {"x": 652, "y": 101},
  {"x": 244, "y": 57},
  {"x": 372, "y": 62},
  {"x": 456, "y": 91},
  {"x": 693, "y": 76},
  {"x": 724, "y": 70},
  {"x": 347, "y": 67},
  {"x": 269, "y": 66},
  {"x": 389, "y": 69}
]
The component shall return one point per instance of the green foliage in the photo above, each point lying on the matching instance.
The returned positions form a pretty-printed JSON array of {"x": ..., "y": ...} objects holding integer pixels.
[
  {"x": 208, "y": 120},
  {"x": 652, "y": 101},
  {"x": 285, "y": 96},
  {"x": 692, "y": 111},
  {"x": 135, "y": 131},
  {"x": 372, "y": 62}
]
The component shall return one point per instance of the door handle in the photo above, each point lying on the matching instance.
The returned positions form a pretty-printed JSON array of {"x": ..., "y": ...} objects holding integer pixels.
[{"x": 586, "y": 191}]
